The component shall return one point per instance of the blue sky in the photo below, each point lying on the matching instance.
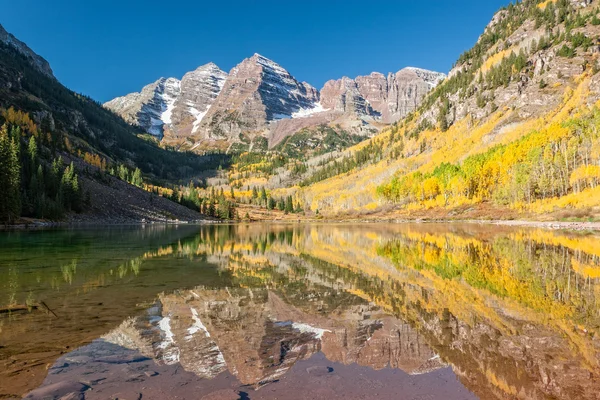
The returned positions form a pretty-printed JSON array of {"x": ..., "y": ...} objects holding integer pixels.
[{"x": 107, "y": 48}]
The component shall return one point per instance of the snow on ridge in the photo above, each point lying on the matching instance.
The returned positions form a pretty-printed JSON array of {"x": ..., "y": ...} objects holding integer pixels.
[
  {"x": 308, "y": 112},
  {"x": 301, "y": 113},
  {"x": 169, "y": 95},
  {"x": 264, "y": 61}
]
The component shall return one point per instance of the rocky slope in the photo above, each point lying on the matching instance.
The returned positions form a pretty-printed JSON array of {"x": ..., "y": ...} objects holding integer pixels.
[
  {"x": 151, "y": 108},
  {"x": 258, "y": 99},
  {"x": 198, "y": 91},
  {"x": 388, "y": 99},
  {"x": 38, "y": 62},
  {"x": 534, "y": 68},
  {"x": 170, "y": 102}
]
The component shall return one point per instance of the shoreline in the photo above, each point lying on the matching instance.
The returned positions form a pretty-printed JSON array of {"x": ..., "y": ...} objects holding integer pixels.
[{"x": 551, "y": 225}]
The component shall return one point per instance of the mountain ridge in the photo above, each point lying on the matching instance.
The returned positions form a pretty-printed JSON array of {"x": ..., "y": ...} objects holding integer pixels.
[
  {"x": 37, "y": 61},
  {"x": 258, "y": 94}
]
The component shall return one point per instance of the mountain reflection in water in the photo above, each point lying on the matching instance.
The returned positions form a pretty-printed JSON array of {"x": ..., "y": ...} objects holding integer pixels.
[{"x": 417, "y": 310}]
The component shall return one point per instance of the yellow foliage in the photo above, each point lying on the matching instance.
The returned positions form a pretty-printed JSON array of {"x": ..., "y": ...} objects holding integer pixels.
[{"x": 544, "y": 4}]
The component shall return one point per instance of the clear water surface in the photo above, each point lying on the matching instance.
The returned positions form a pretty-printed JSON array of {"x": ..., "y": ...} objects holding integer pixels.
[{"x": 315, "y": 311}]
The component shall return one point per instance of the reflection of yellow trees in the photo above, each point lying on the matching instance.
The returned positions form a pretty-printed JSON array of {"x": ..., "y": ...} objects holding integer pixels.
[
  {"x": 161, "y": 252},
  {"x": 591, "y": 271},
  {"x": 540, "y": 278},
  {"x": 68, "y": 271},
  {"x": 131, "y": 266},
  {"x": 534, "y": 279},
  {"x": 581, "y": 244},
  {"x": 13, "y": 285}
]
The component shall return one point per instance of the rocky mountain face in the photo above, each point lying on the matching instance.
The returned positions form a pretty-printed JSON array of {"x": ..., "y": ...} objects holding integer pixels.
[
  {"x": 257, "y": 92},
  {"x": 388, "y": 99},
  {"x": 151, "y": 108},
  {"x": 198, "y": 91},
  {"x": 38, "y": 62},
  {"x": 259, "y": 98}
]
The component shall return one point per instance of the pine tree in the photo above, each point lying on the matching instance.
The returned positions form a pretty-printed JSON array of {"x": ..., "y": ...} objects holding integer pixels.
[
  {"x": 271, "y": 203},
  {"x": 263, "y": 196},
  {"x": 10, "y": 177},
  {"x": 289, "y": 205}
]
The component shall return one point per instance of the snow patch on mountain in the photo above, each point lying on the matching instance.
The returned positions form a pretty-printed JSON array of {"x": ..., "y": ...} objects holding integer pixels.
[
  {"x": 198, "y": 116},
  {"x": 301, "y": 113},
  {"x": 432, "y": 78},
  {"x": 170, "y": 94},
  {"x": 308, "y": 112}
]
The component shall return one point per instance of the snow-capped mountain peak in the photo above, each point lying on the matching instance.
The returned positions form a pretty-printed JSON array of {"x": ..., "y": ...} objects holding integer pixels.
[{"x": 257, "y": 94}]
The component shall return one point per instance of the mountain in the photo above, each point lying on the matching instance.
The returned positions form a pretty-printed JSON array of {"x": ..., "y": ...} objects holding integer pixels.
[
  {"x": 259, "y": 99},
  {"x": 244, "y": 330},
  {"x": 96, "y": 149},
  {"x": 151, "y": 108},
  {"x": 198, "y": 91},
  {"x": 172, "y": 102},
  {"x": 509, "y": 133},
  {"x": 388, "y": 99}
]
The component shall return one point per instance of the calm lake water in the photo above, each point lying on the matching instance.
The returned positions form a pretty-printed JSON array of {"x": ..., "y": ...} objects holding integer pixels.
[{"x": 412, "y": 311}]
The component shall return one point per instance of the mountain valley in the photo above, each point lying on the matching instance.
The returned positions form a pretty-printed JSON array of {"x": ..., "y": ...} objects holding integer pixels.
[{"x": 509, "y": 133}]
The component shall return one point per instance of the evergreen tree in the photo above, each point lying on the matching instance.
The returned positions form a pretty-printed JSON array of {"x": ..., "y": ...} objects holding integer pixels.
[
  {"x": 263, "y": 196},
  {"x": 289, "y": 205},
  {"x": 10, "y": 177},
  {"x": 271, "y": 203}
]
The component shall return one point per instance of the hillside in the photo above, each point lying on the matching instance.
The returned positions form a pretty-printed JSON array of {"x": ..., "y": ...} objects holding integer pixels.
[
  {"x": 46, "y": 127},
  {"x": 511, "y": 133}
]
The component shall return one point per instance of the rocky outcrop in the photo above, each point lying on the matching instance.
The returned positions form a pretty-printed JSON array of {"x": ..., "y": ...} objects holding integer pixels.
[
  {"x": 407, "y": 88},
  {"x": 343, "y": 95},
  {"x": 38, "y": 62},
  {"x": 387, "y": 99}
]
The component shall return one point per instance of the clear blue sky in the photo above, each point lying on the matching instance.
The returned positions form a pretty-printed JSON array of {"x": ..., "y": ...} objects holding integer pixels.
[{"x": 107, "y": 48}]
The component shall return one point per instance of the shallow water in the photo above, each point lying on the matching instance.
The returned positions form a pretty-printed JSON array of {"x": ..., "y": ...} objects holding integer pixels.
[{"x": 412, "y": 311}]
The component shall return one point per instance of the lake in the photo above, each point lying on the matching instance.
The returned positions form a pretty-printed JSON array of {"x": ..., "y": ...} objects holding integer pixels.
[{"x": 307, "y": 311}]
